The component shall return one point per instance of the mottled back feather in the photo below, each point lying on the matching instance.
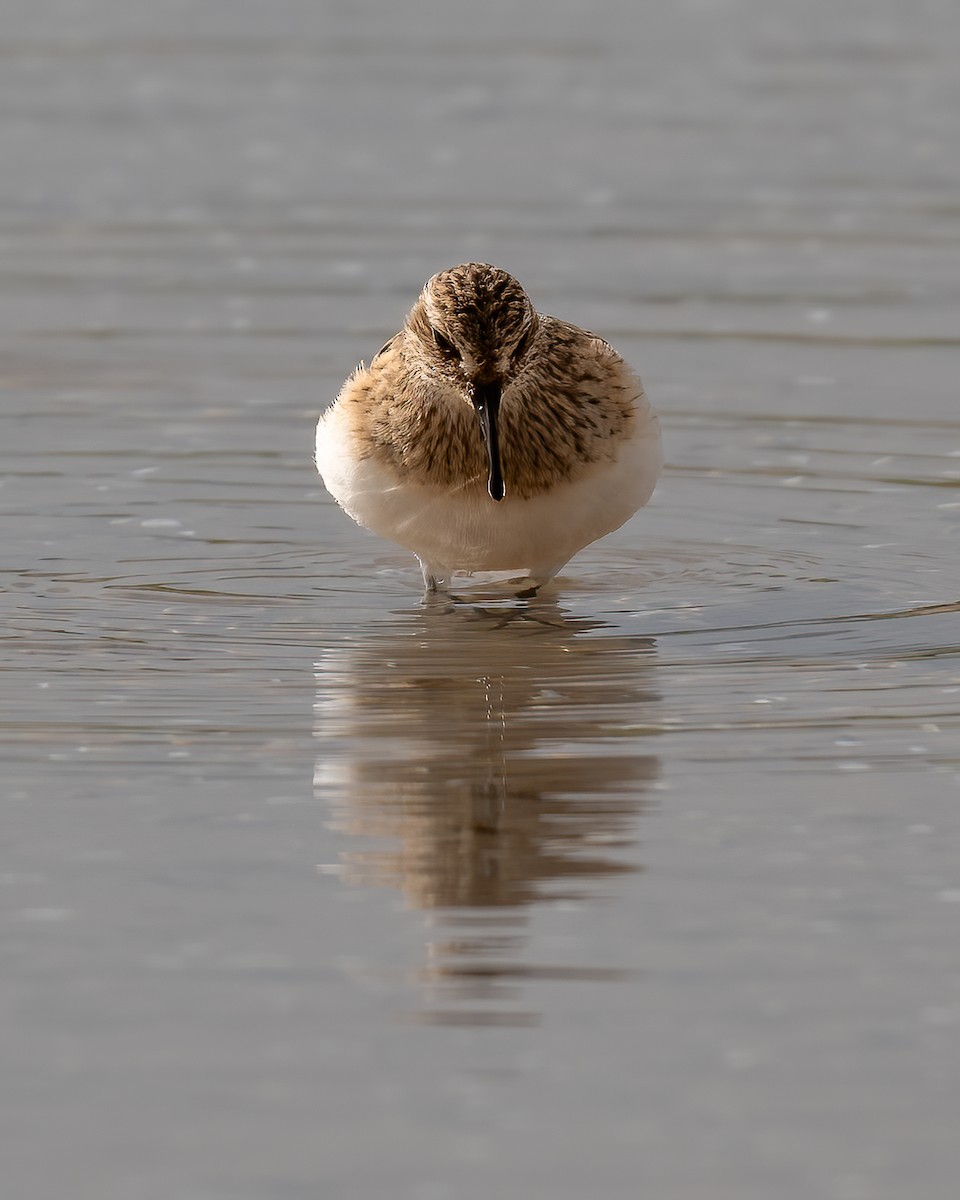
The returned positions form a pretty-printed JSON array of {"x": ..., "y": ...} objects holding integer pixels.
[{"x": 568, "y": 399}]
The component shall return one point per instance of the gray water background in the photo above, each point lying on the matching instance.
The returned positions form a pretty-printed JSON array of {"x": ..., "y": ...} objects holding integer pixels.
[{"x": 651, "y": 890}]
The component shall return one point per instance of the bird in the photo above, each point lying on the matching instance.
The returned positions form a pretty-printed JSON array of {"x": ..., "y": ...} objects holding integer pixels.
[{"x": 486, "y": 436}]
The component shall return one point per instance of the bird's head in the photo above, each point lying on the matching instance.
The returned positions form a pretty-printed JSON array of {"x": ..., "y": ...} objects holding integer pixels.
[{"x": 474, "y": 325}]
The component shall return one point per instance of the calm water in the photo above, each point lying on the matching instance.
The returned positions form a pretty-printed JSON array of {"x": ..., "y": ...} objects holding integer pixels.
[{"x": 651, "y": 887}]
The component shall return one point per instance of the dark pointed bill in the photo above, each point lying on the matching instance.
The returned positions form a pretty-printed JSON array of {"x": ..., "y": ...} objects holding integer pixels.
[{"x": 486, "y": 400}]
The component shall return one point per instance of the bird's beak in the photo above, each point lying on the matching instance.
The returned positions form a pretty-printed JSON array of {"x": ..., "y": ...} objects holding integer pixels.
[{"x": 486, "y": 400}]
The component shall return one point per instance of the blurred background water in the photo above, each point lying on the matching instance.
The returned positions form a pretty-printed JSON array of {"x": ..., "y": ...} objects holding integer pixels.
[{"x": 650, "y": 888}]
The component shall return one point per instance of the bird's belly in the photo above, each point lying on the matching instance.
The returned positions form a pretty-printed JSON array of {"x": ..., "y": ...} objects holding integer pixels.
[{"x": 464, "y": 529}]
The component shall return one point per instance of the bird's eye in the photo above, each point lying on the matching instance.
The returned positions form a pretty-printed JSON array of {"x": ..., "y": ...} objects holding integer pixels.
[{"x": 444, "y": 345}]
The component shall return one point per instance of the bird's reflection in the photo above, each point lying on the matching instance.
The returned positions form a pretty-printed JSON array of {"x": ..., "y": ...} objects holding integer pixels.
[{"x": 490, "y": 759}]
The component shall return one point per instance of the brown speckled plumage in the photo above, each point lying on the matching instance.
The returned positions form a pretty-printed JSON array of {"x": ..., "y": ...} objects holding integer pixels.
[
  {"x": 485, "y": 437},
  {"x": 568, "y": 399}
]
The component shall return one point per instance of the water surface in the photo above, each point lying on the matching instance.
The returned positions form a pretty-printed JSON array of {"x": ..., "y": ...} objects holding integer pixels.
[{"x": 650, "y": 885}]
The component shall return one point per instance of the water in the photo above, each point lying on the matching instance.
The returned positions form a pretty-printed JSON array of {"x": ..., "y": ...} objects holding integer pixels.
[{"x": 649, "y": 887}]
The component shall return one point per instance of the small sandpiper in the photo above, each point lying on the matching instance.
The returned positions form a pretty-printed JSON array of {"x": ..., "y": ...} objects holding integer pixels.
[{"x": 486, "y": 436}]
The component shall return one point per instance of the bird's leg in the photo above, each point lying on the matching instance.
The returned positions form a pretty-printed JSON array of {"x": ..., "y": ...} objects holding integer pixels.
[
  {"x": 435, "y": 579},
  {"x": 536, "y": 580}
]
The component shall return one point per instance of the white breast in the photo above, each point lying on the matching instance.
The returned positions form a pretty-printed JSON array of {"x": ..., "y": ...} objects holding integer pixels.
[{"x": 466, "y": 530}]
